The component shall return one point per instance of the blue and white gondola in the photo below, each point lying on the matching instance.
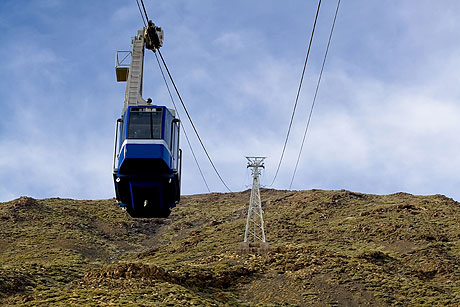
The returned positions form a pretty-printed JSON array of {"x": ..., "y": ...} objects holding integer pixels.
[{"x": 147, "y": 161}]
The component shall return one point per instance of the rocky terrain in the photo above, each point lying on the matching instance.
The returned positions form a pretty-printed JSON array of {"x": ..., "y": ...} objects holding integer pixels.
[{"x": 328, "y": 248}]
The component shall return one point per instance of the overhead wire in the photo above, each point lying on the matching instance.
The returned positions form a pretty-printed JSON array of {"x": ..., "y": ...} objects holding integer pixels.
[
  {"x": 316, "y": 92},
  {"x": 145, "y": 11},
  {"x": 140, "y": 11},
  {"x": 183, "y": 128},
  {"x": 185, "y": 108},
  {"x": 191, "y": 122},
  {"x": 298, "y": 93}
]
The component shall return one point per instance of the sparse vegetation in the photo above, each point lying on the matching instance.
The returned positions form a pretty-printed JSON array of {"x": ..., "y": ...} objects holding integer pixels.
[{"x": 328, "y": 248}]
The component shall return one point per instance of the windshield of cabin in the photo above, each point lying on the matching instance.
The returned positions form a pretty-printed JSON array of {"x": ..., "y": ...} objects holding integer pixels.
[{"x": 145, "y": 123}]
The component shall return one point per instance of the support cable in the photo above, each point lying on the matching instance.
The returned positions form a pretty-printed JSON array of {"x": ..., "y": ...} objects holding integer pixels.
[
  {"x": 183, "y": 127},
  {"x": 186, "y": 111},
  {"x": 316, "y": 92},
  {"x": 191, "y": 122},
  {"x": 298, "y": 93},
  {"x": 140, "y": 11},
  {"x": 145, "y": 11}
]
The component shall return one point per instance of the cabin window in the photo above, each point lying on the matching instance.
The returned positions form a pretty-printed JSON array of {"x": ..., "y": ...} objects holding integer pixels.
[{"x": 145, "y": 123}]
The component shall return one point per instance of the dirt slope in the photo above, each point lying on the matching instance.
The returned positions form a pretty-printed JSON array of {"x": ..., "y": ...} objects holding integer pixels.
[{"x": 328, "y": 248}]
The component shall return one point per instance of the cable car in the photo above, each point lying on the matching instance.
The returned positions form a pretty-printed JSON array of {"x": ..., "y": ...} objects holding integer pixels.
[
  {"x": 147, "y": 157},
  {"x": 147, "y": 172}
]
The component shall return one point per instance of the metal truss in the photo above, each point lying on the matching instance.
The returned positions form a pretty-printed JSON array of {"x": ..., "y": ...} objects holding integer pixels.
[{"x": 255, "y": 221}]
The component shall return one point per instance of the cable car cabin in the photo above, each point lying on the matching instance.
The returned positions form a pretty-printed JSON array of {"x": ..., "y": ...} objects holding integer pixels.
[{"x": 147, "y": 161}]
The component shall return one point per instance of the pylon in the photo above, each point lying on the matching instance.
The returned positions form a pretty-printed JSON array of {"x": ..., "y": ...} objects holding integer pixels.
[{"x": 254, "y": 236}]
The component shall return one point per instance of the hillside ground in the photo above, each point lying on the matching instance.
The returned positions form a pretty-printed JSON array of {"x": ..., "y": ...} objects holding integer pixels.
[{"x": 327, "y": 248}]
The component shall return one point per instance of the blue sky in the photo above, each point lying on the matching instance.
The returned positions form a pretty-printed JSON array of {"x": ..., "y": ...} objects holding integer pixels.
[{"x": 386, "y": 117}]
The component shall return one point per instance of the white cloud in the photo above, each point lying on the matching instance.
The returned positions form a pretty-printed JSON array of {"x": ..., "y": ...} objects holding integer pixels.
[
  {"x": 230, "y": 41},
  {"x": 386, "y": 117},
  {"x": 395, "y": 138},
  {"x": 47, "y": 169}
]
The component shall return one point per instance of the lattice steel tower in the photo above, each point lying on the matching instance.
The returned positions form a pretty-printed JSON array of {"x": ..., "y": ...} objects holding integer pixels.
[{"x": 255, "y": 221}]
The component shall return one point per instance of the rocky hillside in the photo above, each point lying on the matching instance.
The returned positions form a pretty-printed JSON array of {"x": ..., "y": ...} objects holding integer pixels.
[{"x": 328, "y": 248}]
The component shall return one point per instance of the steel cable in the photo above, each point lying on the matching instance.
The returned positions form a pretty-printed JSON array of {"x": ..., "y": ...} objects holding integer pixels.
[
  {"x": 298, "y": 93},
  {"x": 191, "y": 122},
  {"x": 185, "y": 133},
  {"x": 140, "y": 11},
  {"x": 145, "y": 11},
  {"x": 186, "y": 111},
  {"x": 316, "y": 92}
]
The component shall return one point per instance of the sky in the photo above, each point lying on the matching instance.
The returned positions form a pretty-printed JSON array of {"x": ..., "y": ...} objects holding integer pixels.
[{"x": 386, "y": 119}]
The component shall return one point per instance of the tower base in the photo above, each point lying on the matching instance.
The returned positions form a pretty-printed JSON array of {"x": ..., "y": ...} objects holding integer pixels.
[{"x": 253, "y": 248}]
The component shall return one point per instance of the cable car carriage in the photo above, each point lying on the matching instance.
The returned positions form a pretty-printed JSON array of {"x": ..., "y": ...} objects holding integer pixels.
[{"x": 147, "y": 157}]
